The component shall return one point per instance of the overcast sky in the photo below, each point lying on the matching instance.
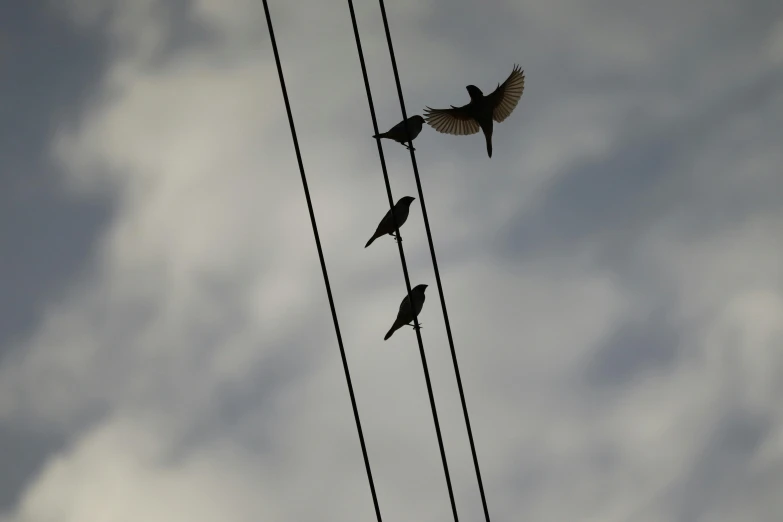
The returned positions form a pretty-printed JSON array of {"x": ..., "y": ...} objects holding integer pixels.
[{"x": 614, "y": 273}]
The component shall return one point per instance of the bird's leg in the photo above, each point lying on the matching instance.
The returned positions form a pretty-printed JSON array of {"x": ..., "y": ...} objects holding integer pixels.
[
  {"x": 397, "y": 238},
  {"x": 415, "y": 326},
  {"x": 409, "y": 147}
]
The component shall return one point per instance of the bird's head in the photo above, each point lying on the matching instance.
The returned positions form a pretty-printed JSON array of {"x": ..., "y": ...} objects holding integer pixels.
[
  {"x": 418, "y": 118},
  {"x": 420, "y": 288},
  {"x": 406, "y": 201},
  {"x": 475, "y": 92}
]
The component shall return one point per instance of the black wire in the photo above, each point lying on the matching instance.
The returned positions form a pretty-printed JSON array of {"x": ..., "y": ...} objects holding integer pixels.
[
  {"x": 402, "y": 260},
  {"x": 435, "y": 265},
  {"x": 323, "y": 262}
]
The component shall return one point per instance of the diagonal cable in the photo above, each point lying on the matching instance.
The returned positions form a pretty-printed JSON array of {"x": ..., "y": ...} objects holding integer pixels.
[
  {"x": 435, "y": 265},
  {"x": 402, "y": 260},
  {"x": 323, "y": 262}
]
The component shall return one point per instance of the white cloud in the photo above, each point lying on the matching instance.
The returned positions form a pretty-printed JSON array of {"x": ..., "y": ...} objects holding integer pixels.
[{"x": 121, "y": 471}]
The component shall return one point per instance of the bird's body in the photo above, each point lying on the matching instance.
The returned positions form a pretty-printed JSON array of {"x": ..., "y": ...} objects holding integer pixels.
[
  {"x": 482, "y": 110},
  {"x": 406, "y": 313},
  {"x": 386, "y": 226},
  {"x": 398, "y": 134}
]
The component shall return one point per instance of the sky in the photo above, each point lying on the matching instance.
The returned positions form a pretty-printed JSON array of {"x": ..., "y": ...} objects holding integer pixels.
[{"x": 613, "y": 274}]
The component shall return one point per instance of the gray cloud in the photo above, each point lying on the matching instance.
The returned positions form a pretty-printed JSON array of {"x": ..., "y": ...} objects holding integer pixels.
[{"x": 46, "y": 235}]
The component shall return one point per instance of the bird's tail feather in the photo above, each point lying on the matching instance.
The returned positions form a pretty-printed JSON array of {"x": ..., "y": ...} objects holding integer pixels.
[
  {"x": 489, "y": 144},
  {"x": 486, "y": 127},
  {"x": 393, "y": 329},
  {"x": 388, "y": 334},
  {"x": 373, "y": 238}
]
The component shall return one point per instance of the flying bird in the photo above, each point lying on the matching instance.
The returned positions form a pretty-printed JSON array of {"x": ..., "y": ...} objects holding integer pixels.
[
  {"x": 481, "y": 111},
  {"x": 398, "y": 134},
  {"x": 386, "y": 226},
  {"x": 405, "y": 315}
]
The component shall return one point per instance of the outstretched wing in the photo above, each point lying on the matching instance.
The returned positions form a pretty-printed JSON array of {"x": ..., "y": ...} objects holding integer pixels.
[
  {"x": 504, "y": 99},
  {"x": 451, "y": 121}
]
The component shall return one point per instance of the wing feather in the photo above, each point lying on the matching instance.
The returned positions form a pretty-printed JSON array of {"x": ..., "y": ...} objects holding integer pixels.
[
  {"x": 505, "y": 98},
  {"x": 451, "y": 121}
]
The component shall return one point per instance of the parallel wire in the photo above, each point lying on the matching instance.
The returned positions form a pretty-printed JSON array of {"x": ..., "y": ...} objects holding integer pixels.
[
  {"x": 323, "y": 262},
  {"x": 402, "y": 260},
  {"x": 435, "y": 264}
]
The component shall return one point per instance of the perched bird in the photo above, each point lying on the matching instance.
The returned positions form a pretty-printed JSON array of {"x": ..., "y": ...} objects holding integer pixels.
[
  {"x": 405, "y": 315},
  {"x": 386, "y": 226},
  {"x": 481, "y": 111},
  {"x": 398, "y": 134}
]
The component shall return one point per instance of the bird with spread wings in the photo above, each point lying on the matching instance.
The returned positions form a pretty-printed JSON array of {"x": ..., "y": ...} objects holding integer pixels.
[{"x": 482, "y": 110}]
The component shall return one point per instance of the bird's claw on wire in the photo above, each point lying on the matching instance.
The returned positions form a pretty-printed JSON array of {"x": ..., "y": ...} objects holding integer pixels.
[
  {"x": 409, "y": 147},
  {"x": 397, "y": 238},
  {"x": 415, "y": 326}
]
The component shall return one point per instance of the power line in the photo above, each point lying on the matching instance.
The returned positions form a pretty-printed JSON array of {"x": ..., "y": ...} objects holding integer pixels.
[
  {"x": 435, "y": 265},
  {"x": 323, "y": 262},
  {"x": 402, "y": 259}
]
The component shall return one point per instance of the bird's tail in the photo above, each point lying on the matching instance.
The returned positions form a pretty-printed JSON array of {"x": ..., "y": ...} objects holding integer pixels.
[
  {"x": 388, "y": 334},
  {"x": 489, "y": 143},
  {"x": 373, "y": 238},
  {"x": 393, "y": 329},
  {"x": 486, "y": 127}
]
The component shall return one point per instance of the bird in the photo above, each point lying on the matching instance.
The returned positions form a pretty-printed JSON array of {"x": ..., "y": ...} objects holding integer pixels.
[
  {"x": 405, "y": 315},
  {"x": 481, "y": 111},
  {"x": 398, "y": 134},
  {"x": 386, "y": 226}
]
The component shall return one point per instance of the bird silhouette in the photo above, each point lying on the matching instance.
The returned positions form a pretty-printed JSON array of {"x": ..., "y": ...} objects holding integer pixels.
[
  {"x": 386, "y": 226},
  {"x": 405, "y": 315},
  {"x": 481, "y": 111},
  {"x": 398, "y": 134}
]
